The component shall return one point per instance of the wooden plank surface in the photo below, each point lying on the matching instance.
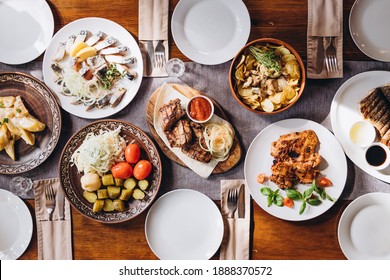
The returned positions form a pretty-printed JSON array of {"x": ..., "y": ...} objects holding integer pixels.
[
  {"x": 271, "y": 238},
  {"x": 235, "y": 153}
]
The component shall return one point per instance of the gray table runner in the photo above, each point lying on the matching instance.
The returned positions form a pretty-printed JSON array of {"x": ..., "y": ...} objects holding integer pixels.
[{"x": 213, "y": 81}]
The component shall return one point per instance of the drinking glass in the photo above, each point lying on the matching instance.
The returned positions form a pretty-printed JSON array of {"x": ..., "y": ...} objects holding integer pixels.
[
  {"x": 175, "y": 67},
  {"x": 20, "y": 185}
]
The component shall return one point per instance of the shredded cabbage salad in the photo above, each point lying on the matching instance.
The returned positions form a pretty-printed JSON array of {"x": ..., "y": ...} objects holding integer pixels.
[{"x": 98, "y": 153}]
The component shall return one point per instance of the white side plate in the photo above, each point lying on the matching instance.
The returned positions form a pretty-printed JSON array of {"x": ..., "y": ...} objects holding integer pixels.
[
  {"x": 26, "y": 30},
  {"x": 364, "y": 228},
  {"x": 184, "y": 225},
  {"x": 369, "y": 23},
  {"x": 210, "y": 32},
  {"x": 16, "y": 226}
]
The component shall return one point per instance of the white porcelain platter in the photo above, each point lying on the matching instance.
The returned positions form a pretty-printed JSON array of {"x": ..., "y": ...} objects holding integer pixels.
[
  {"x": 210, "y": 31},
  {"x": 259, "y": 160},
  {"x": 364, "y": 228},
  {"x": 16, "y": 226},
  {"x": 184, "y": 224},
  {"x": 344, "y": 112},
  {"x": 369, "y": 23},
  {"x": 26, "y": 30},
  {"x": 93, "y": 25}
]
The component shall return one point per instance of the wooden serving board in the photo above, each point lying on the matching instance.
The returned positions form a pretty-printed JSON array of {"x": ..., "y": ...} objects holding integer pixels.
[{"x": 235, "y": 152}]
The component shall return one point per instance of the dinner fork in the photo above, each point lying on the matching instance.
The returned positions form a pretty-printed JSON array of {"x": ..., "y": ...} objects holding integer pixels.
[
  {"x": 330, "y": 57},
  {"x": 159, "y": 54},
  {"x": 50, "y": 200},
  {"x": 232, "y": 201}
]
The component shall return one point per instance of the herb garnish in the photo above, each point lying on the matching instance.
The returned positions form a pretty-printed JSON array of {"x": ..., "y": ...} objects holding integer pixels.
[
  {"x": 110, "y": 76},
  {"x": 307, "y": 197},
  {"x": 266, "y": 57}
]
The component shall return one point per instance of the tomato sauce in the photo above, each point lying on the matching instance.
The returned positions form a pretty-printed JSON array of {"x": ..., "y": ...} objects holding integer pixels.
[{"x": 200, "y": 109}]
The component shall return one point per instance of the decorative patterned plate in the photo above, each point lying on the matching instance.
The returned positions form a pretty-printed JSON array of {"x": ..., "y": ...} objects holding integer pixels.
[
  {"x": 70, "y": 178},
  {"x": 41, "y": 104}
]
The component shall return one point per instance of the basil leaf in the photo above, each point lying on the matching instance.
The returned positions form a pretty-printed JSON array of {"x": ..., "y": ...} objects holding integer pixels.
[
  {"x": 269, "y": 199},
  {"x": 276, "y": 192},
  {"x": 278, "y": 200},
  {"x": 266, "y": 191},
  {"x": 314, "y": 201},
  {"x": 294, "y": 194},
  {"x": 307, "y": 193},
  {"x": 303, "y": 207}
]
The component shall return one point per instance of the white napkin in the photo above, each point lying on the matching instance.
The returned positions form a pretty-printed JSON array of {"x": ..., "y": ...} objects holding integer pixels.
[{"x": 235, "y": 243}]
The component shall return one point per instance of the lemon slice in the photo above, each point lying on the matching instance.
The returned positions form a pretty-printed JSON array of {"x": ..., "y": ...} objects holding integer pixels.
[{"x": 76, "y": 48}]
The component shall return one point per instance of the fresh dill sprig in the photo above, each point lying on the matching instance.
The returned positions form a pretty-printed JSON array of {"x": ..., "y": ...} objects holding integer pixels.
[
  {"x": 266, "y": 57},
  {"x": 111, "y": 75}
]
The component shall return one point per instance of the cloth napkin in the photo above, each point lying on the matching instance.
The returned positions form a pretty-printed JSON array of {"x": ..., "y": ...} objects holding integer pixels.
[
  {"x": 54, "y": 237},
  {"x": 325, "y": 20},
  {"x": 235, "y": 243},
  {"x": 152, "y": 27}
]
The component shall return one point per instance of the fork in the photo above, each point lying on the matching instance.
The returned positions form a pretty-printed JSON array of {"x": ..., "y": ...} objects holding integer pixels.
[
  {"x": 159, "y": 54},
  {"x": 50, "y": 200},
  {"x": 330, "y": 57},
  {"x": 232, "y": 201}
]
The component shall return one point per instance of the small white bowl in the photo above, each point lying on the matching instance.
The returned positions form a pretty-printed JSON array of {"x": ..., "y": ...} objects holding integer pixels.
[
  {"x": 362, "y": 133},
  {"x": 377, "y": 156},
  {"x": 188, "y": 111}
]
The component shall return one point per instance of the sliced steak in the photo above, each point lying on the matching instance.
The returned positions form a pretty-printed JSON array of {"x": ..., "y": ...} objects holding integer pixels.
[
  {"x": 180, "y": 134},
  {"x": 170, "y": 113},
  {"x": 196, "y": 152}
]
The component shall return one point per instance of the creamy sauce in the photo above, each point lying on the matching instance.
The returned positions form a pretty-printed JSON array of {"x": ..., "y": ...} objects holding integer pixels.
[{"x": 362, "y": 134}]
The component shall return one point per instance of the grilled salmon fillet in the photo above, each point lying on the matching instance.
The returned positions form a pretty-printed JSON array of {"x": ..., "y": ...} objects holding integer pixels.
[{"x": 295, "y": 159}]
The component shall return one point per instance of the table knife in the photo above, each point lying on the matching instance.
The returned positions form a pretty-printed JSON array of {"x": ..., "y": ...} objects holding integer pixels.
[
  {"x": 60, "y": 203},
  {"x": 320, "y": 54},
  {"x": 149, "y": 57},
  {"x": 241, "y": 201}
]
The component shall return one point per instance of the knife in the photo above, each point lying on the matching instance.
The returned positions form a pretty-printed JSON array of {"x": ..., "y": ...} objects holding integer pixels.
[
  {"x": 241, "y": 201},
  {"x": 149, "y": 57},
  {"x": 60, "y": 199},
  {"x": 320, "y": 54}
]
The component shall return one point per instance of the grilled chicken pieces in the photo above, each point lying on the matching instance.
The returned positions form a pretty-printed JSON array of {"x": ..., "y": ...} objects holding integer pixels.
[
  {"x": 375, "y": 107},
  {"x": 181, "y": 132},
  {"x": 295, "y": 159}
]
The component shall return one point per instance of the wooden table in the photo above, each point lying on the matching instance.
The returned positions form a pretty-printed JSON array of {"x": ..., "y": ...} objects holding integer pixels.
[{"x": 271, "y": 238}]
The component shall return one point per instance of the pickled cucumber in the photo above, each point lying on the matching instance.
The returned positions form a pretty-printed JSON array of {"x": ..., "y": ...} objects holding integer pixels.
[
  {"x": 90, "y": 196},
  {"x": 125, "y": 194},
  {"x": 130, "y": 183},
  {"x": 108, "y": 205},
  {"x": 98, "y": 205},
  {"x": 114, "y": 192},
  {"x": 138, "y": 194},
  {"x": 143, "y": 184},
  {"x": 108, "y": 180},
  {"x": 102, "y": 194},
  {"x": 119, "y": 205},
  {"x": 119, "y": 182}
]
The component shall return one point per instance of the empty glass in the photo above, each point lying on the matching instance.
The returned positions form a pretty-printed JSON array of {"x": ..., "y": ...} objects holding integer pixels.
[
  {"x": 20, "y": 185},
  {"x": 175, "y": 67}
]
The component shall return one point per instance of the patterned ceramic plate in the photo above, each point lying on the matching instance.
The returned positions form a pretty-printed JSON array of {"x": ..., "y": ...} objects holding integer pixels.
[
  {"x": 41, "y": 103},
  {"x": 70, "y": 178}
]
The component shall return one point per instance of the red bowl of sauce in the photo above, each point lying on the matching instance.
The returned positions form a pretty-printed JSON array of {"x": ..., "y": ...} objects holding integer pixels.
[{"x": 200, "y": 109}]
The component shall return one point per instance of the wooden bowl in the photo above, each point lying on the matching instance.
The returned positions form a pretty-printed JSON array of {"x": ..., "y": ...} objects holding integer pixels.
[{"x": 236, "y": 60}]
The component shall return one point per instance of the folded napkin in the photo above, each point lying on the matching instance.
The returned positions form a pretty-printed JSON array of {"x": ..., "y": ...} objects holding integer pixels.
[
  {"x": 54, "y": 237},
  {"x": 235, "y": 243},
  {"x": 152, "y": 28},
  {"x": 325, "y": 21}
]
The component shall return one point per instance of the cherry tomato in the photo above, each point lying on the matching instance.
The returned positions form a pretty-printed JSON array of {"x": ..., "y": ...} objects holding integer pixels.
[
  {"x": 325, "y": 182},
  {"x": 132, "y": 153},
  {"x": 288, "y": 202},
  {"x": 142, "y": 169},
  {"x": 122, "y": 170}
]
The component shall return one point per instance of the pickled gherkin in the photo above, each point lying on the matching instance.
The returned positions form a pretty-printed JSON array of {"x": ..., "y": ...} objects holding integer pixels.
[
  {"x": 138, "y": 194},
  {"x": 102, "y": 194},
  {"x": 119, "y": 205},
  {"x": 143, "y": 184},
  {"x": 108, "y": 205},
  {"x": 119, "y": 182},
  {"x": 130, "y": 183},
  {"x": 125, "y": 194},
  {"x": 114, "y": 192},
  {"x": 98, "y": 205},
  {"x": 90, "y": 196},
  {"x": 108, "y": 180}
]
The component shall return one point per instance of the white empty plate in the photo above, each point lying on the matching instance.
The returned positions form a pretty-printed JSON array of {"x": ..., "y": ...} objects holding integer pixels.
[
  {"x": 364, "y": 228},
  {"x": 184, "y": 225},
  {"x": 210, "y": 31},
  {"x": 26, "y": 30},
  {"x": 369, "y": 23},
  {"x": 16, "y": 226}
]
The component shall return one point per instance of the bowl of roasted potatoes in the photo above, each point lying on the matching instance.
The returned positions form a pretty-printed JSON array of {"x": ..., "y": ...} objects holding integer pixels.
[{"x": 267, "y": 76}]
